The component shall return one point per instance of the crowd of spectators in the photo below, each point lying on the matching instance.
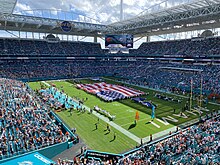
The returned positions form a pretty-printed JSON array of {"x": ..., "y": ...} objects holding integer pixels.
[
  {"x": 155, "y": 76},
  {"x": 25, "y": 123},
  {"x": 184, "y": 47},
  {"x": 198, "y": 144},
  {"x": 86, "y": 161},
  {"x": 187, "y": 47},
  {"x": 26, "y": 48},
  {"x": 138, "y": 72},
  {"x": 150, "y": 74},
  {"x": 57, "y": 99}
]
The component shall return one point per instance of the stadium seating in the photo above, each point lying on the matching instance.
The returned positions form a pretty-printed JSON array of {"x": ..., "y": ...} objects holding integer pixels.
[
  {"x": 153, "y": 74},
  {"x": 186, "y": 47},
  {"x": 36, "y": 48},
  {"x": 198, "y": 144},
  {"x": 25, "y": 124}
]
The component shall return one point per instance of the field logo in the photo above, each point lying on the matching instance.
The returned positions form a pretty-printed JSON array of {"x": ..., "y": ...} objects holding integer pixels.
[
  {"x": 42, "y": 159},
  {"x": 170, "y": 119},
  {"x": 25, "y": 163},
  {"x": 116, "y": 104},
  {"x": 130, "y": 110}
]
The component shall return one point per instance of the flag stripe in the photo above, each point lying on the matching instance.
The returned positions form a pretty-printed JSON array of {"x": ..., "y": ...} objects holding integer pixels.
[{"x": 109, "y": 91}]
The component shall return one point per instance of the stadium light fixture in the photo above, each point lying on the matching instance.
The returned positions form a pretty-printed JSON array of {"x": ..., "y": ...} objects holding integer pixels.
[{"x": 188, "y": 59}]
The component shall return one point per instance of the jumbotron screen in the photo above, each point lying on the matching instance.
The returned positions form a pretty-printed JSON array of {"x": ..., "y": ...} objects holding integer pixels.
[{"x": 123, "y": 40}]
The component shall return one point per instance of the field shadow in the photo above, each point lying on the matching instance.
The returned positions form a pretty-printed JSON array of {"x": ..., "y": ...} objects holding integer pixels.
[
  {"x": 148, "y": 122},
  {"x": 78, "y": 113},
  {"x": 107, "y": 133},
  {"x": 132, "y": 126}
]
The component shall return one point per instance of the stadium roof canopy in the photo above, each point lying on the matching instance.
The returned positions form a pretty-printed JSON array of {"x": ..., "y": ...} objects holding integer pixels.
[
  {"x": 197, "y": 15},
  {"x": 7, "y": 6}
]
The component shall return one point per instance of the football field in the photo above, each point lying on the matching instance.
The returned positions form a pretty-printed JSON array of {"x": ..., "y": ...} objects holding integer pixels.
[{"x": 128, "y": 133}]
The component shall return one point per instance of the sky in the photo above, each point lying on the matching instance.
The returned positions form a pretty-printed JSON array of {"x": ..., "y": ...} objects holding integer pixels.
[{"x": 94, "y": 11}]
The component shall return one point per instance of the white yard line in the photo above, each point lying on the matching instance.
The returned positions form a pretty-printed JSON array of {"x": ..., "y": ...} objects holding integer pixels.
[
  {"x": 119, "y": 128},
  {"x": 159, "y": 134},
  {"x": 46, "y": 83},
  {"x": 155, "y": 124},
  {"x": 124, "y": 117},
  {"x": 131, "y": 123}
]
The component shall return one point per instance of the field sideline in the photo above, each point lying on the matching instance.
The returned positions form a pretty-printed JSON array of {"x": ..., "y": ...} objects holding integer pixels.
[{"x": 124, "y": 110}]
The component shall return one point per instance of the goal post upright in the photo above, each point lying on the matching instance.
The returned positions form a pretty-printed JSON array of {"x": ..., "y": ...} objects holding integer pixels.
[
  {"x": 201, "y": 92},
  {"x": 191, "y": 94}
]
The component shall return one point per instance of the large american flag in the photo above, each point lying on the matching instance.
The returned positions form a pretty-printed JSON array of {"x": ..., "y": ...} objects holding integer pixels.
[{"x": 110, "y": 91}]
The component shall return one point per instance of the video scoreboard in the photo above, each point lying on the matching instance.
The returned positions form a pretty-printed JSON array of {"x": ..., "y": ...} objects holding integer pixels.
[{"x": 121, "y": 40}]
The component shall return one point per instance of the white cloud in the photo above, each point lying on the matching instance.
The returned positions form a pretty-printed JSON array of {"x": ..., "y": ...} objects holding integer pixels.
[
  {"x": 24, "y": 8},
  {"x": 106, "y": 11},
  {"x": 53, "y": 10}
]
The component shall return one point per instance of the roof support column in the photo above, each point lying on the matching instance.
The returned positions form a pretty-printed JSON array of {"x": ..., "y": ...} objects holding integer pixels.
[
  {"x": 95, "y": 38},
  {"x": 121, "y": 10},
  {"x": 147, "y": 38}
]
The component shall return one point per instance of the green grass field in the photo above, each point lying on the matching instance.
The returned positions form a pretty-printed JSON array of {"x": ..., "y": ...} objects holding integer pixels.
[{"x": 124, "y": 110}]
